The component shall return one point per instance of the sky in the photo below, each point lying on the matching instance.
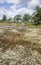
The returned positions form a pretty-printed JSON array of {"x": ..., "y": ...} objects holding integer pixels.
[{"x": 11, "y": 8}]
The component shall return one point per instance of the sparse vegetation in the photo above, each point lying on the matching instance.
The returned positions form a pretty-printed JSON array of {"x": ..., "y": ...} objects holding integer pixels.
[
  {"x": 16, "y": 48},
  {"x": 21, "y": 44}
]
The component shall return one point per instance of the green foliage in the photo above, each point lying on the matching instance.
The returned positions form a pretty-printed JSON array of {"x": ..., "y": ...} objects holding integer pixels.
[
  {"x": 17, "y": 18},
  {"x": 4, "y": 18},
  {"x": 37, "y": 16},
  {"x": 1, "y": 21},
  {"x": 34, "y": 18},
  {"x": 26, "y": 17}
]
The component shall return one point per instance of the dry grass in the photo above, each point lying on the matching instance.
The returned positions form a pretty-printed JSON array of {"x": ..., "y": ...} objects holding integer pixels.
[
  {"x": 33, "y": 35},
  {"x": 16, "y": 49},
  {"x": 9, "y": 39}
]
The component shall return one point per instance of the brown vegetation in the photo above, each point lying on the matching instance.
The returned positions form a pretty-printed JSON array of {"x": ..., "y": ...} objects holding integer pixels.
[{"x": 15, "y": 51}]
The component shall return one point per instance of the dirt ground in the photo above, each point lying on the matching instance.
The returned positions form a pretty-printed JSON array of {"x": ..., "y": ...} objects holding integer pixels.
[{"x": 20, "y": 47}]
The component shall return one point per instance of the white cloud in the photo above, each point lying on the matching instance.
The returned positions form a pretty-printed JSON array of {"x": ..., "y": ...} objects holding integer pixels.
[
  {"x": 25, "y": 10},
  {"x": 1, "y": 1},
  {"x": 19, "y": 2},
  {"x": 14, "y": 10},
  {"x": 34, "y": 3},
  {"x": 10, "y": 13},
  {"x": 16, "y": 2},
  {"x": 13, "y": 1}
]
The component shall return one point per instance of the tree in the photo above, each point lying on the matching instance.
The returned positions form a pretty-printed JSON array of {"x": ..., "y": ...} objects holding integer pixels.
[
  {"x": 26, "y": 17},
  {"x": 17, "y": 18},
  {"x": 37, "y": 15},
  {"x": 4, "y": 18}
]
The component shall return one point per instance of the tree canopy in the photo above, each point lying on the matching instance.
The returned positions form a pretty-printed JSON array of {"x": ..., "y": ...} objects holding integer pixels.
[
  {"x": 4, "y": 18},
  {"x": 37, "y": 15},
  {"x": 17, "y": 18},
  {"x": 26, "y": 17}
]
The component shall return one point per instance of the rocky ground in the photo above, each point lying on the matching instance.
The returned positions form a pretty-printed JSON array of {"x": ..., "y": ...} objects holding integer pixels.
[{"x": 20, "y": 47}]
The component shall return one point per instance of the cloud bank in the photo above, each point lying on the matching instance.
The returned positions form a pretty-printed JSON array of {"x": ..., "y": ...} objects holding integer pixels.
[{"x": 13, "y": 7}]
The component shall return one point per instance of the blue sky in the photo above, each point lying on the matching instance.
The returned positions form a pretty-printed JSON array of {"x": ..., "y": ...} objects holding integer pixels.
[
  {"x": 13, "y": 7},
  {"x": 6, "y": 5}
]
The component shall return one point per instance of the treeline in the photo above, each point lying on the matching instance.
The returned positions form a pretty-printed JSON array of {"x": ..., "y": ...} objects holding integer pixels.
[{"x": 35, "y": 18}]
